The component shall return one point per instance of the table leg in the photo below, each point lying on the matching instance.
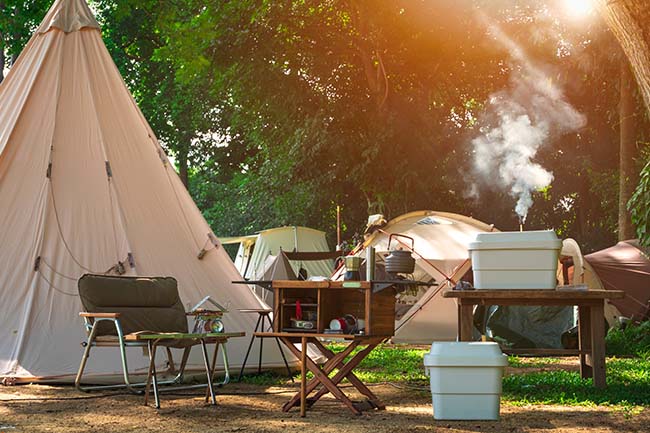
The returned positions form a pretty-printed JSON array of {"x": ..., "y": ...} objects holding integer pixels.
[
  {"x": 598, "y": 345},
  {"x": 208, "y": 370},
  {"x": 277, "y": 340},
  {"x": 303, "y": 376},
  {"x": 584, "y": 341},
  {"x": 250, "y": 346},
  {"x": 332, "y": 362},
  {"x": 466, "y": 319},
  {"x": 212, "y": 369},
  {"x": 151, "y": 377},
  {"x": 322, "y": 377},
  {"x": 345, "y": 371}
]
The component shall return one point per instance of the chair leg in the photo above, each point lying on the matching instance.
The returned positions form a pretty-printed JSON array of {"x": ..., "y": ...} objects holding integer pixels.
[
  {"x": 170, "y": 361},
  {"x": 250, "y": 346},
  {"x": 226, "y": 365},
  {"x": 208, "y": 371},
  {"x": 125, "y": 370},
  {"x": 84, "y": 359}
]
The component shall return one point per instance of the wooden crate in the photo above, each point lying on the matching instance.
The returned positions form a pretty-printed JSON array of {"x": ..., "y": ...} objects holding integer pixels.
[{"x": 334, "y": 299}]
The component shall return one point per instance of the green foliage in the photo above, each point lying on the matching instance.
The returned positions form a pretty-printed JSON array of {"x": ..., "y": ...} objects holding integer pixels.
[
  {"x": 628, "y": 383},
  {"x": 277, "y": 111},
  {"x": 631, "y": 340},
  {"x": 18, "y": 20},
  {"x": 542, "y": 380},
  {"x": 639, "y": 206}
]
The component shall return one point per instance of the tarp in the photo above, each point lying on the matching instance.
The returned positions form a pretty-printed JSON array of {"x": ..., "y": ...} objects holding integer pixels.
[{"x": 86, "y": 187}]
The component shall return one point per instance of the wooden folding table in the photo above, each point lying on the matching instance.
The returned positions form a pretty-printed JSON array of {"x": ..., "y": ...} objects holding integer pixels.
[
  {"x": 591, "y": 319},
  {"x": 322, "y": 374},
  {"x": 372, "y": 303}
]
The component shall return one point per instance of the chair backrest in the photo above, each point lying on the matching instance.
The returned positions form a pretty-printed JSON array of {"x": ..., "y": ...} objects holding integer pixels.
[{"x": 144, "y": 303}]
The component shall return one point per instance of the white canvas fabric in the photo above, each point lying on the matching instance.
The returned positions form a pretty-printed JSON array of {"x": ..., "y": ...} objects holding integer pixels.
[
  {"x": 441, "y": 243},
  {"x": 84, "y": 186}
]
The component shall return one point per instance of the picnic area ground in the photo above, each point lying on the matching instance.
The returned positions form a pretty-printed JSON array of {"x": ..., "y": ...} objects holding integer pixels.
[{"x": 256, "y": 407}]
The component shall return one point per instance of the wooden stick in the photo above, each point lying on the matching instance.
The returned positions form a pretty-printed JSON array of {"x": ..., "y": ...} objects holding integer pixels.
[{"x": 338, "y": 226}]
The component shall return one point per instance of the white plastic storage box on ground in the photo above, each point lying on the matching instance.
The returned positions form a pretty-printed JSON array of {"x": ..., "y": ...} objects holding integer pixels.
[
  {"x": 465, "y": 379},
  {"x": 515, "y": 260}
]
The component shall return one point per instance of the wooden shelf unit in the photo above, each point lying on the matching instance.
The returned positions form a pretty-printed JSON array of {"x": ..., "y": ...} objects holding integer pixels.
[{"x": 334, "y": 299}]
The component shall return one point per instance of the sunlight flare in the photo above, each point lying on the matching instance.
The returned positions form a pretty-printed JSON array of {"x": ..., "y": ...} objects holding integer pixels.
[{"x": 578, "y": 8}]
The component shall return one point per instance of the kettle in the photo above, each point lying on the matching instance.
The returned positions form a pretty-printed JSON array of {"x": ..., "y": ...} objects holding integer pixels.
[
  {"x": 400, "y": 261},
  {"x": 352, "y": 265}
]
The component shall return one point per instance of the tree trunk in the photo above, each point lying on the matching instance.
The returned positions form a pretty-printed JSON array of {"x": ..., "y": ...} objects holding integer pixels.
[
  {"x": 370, "y": 55},
  {"x": 2, "y": 61},
  {"x": 3, "y": 58},
  {"x": 627, "y": 169},
  {"x": 183, "y": 167},
  {"x": 628, "y": 20}
]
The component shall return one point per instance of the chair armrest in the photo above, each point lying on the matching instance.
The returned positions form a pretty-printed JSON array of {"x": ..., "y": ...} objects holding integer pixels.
[{"x": 100, "y": 315}]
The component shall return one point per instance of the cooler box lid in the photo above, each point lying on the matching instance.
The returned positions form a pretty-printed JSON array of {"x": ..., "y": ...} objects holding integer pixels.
[
  {"x": 535, "y": 239},
  {"x": 465, "y": 354}
]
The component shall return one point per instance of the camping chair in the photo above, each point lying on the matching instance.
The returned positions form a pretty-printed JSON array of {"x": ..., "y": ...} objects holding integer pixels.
[{"x": 142, "y": 312}]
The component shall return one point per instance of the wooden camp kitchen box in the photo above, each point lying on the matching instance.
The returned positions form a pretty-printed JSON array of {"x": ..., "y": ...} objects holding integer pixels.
[{"x": 328, "y": 300}]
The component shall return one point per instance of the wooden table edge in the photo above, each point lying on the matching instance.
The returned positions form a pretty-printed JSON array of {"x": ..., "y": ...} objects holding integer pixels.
[
  {"x": 315, "y": 335},
  {"x": 534, "y": 294},
  {"x": 181, "y": 336}
]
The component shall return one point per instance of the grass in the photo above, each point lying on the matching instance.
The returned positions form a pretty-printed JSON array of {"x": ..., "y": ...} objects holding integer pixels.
[
  {"x": 628, "y": 379},
  {"x": 631, "y": 340},
  {"x": 628, "y": 385}
]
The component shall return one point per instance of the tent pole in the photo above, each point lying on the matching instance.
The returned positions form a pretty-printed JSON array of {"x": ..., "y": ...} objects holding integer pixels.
[{"x": 338, "y": 228}]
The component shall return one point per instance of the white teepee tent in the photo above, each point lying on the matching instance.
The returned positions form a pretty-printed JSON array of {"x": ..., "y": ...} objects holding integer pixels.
[{"x": 86, "y": 187}]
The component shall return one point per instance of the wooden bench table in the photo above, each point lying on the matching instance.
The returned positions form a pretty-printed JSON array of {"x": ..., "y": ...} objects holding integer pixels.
[
  {"x": 155, "y": 339},
  {"x": 322, "y": 374},
  {"x": 591, "y": 319}
]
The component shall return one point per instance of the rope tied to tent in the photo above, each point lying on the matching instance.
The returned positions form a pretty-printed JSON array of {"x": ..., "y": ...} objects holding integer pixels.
[{"x": 215, "y": 244}]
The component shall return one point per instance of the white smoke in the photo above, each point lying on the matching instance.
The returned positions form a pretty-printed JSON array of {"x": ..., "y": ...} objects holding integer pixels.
[{"x": 520, "y": 120}]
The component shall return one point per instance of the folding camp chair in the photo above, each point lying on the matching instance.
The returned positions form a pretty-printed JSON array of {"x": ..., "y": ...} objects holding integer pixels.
[{"x": 143, "y": 312}]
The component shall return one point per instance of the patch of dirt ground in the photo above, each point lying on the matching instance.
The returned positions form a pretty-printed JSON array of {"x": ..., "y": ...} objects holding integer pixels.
[{"x": 254, "y": 408}]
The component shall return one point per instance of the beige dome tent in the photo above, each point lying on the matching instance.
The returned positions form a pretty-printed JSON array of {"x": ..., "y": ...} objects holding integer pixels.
[
  {"x": 86, "y": 187},
  {"x": 440, "y": 250}
]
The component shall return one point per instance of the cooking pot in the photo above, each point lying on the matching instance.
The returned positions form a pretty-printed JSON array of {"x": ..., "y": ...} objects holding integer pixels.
[{"x": 400, "y": 261}]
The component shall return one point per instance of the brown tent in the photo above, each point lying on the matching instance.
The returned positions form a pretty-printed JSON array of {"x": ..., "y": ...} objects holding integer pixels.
[{"x": 625, "y": 266}]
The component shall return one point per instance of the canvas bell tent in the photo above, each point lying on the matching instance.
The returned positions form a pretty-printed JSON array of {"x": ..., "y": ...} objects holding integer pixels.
[
  {"x": 257, "y": 253},
  {"x": 441, "y": 241},
  {"x": 86, "y": 187}
]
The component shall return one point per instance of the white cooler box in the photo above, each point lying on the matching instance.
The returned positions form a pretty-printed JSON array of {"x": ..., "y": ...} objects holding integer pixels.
[
  {"x": 465, "y": 379},
  {"x": 515, "y": 260}
]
